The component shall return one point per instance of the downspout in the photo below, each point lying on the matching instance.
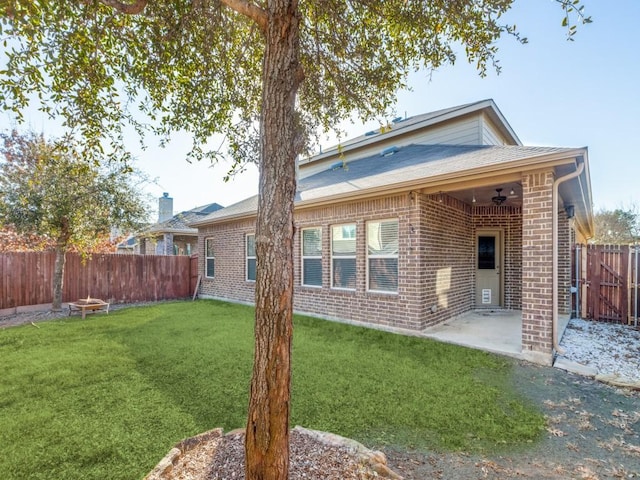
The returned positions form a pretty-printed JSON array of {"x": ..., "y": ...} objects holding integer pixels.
[{"x": 554, "y": 240}]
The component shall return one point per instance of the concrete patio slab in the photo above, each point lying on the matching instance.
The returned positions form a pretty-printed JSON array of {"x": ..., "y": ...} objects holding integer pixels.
[{"x": 496, "y": 331}]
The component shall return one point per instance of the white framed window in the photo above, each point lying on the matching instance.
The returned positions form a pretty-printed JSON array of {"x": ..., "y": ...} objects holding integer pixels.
[
  {"x": 312, "y": 257},
  {"x": 343, "y": 256},
  {"x": 251, "y": 257},
  {"x": 382, "y": 256},
  {"x": 348, "y": 231},
  {"x": 209, "y": 259}
]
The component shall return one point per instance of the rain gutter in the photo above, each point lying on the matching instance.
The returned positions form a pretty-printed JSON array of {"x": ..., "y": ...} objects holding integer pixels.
[{"x": 554, "y": 240}]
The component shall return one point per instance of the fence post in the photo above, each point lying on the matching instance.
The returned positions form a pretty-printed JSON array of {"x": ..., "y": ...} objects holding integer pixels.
[{"x": 635, "y": 285}]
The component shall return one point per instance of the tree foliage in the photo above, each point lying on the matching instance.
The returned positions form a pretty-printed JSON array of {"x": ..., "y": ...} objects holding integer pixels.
[
  {"x": 53, "y": 192},
  {"x": 197, "y": 65},
  {"x": 620, "y": 226},
  {"x": 49, "y": 190},
  {"x": 12, "y": 241}
]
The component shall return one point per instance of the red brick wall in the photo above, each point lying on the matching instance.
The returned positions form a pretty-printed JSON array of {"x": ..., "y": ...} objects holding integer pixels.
[
  {"x": 436, "y": 260},
  {"x": 537, "y": 263},
  {"x": 564, "y": 263},
  {"x": 402, "y": 309},
  {"x": 229, "y": 249},
  {"x": 447, "y": 255}
]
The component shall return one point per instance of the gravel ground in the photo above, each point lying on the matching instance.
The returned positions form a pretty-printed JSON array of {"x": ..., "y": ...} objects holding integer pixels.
[
  {"x": 593, "y": 429},
  {"x": 610, "y": 349}
]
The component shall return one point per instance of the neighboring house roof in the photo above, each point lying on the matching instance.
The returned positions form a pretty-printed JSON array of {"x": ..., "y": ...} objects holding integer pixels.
[
  {"x": 128, "y": 243},
  {"x": 409, "y": 166},
  {"x": 180, "y": 223}
]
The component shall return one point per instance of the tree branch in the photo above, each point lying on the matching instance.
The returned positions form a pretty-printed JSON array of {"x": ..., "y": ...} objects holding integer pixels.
[
  {"x": 126, "y": 8},
  {"x": 249, "y": 10}
]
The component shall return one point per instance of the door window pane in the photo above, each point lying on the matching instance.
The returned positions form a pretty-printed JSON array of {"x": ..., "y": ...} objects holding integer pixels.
[{"x": 486, "y": 253}]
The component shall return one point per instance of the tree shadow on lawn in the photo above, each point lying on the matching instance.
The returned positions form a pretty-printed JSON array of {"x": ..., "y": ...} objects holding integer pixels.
[{"x": 373, "y": 386}]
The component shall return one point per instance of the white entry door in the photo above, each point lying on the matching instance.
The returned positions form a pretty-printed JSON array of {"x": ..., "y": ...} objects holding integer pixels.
[{"x": 488, "y": 268}]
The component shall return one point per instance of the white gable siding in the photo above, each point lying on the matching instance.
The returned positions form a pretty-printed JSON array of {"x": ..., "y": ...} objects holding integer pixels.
[
  {"x": 490, "y": 134},
  {"x": 463, "y": 131}
]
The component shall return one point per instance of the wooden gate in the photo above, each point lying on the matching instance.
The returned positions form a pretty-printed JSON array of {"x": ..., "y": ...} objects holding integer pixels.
[{"x": 612, "y": 294}]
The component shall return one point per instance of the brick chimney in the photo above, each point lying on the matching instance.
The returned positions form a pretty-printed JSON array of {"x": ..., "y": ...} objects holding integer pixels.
[{"x": 165, "y": 207}]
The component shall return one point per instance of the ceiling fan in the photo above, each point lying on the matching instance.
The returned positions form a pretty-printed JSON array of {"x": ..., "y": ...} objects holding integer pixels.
[{"x": 498, "y": 199}]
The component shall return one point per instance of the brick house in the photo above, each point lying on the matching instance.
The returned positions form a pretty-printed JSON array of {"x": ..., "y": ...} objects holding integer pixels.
[
  {"x": 172, "y": 234},
  {"x": 421, "y": 221}
]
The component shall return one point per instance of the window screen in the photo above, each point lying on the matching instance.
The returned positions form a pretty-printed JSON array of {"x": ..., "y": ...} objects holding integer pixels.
[
  {"x": 210, "y": 261},
  {"x": 251, "y": 257},
  {"x": 382, "y": 254},
  {"x": 312, "y": 257},
  {"x": 343, "y": 256}
]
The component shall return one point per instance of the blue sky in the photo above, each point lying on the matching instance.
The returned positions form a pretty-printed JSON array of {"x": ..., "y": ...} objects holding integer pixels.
[{"x": 552, "y": 92}]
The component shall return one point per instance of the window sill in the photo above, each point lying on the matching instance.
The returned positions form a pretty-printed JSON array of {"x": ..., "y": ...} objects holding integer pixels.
[{"x": 382, "y": 293}]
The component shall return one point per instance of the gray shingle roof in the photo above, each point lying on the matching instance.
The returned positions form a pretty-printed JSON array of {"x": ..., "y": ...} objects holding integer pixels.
[
  {"x": 411, "y": 163},
  {"x": 182, "y": 220},
  {"x": 243, "y": 207}
]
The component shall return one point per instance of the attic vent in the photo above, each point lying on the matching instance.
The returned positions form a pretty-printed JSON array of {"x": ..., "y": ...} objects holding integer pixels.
[
  {"x": 387, "y": 152},
  {"x": 337, "y": 165},
  {"x": 370, "y": 133}
]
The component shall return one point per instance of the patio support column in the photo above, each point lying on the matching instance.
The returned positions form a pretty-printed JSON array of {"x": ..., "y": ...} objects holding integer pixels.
[
  {"x": 564, "y": 263},
  {"x": 537, "y": 267},
  {"x": 168, "y": 244}
]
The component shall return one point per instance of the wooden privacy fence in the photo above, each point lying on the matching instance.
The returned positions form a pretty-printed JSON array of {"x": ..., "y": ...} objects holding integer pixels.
[
  {"x": 26, "y": 278},
  {"x": 612, "y": 283}
]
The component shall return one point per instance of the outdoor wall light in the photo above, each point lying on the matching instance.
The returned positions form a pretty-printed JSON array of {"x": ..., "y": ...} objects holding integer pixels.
[{"x": 570, "y": 211}]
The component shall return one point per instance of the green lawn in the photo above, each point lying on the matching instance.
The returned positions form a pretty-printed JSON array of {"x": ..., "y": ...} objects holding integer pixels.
[{"x": 106, "y": 397}]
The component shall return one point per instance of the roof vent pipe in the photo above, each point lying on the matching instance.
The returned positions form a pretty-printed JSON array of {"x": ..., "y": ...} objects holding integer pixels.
[{"x": 389, "y": 151}]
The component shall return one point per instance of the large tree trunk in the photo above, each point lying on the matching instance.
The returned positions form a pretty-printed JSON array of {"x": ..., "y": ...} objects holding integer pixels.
[
  {"x": 267, "y": 434},
  {"x": 58, "y": 278}
]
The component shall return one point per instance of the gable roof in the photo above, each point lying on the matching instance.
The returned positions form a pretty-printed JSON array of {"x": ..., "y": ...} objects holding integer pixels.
[
  {"x": 180, "y": 222},
  {"x": 412, "y": 166},
  {"x": 402, "y": 126}
]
